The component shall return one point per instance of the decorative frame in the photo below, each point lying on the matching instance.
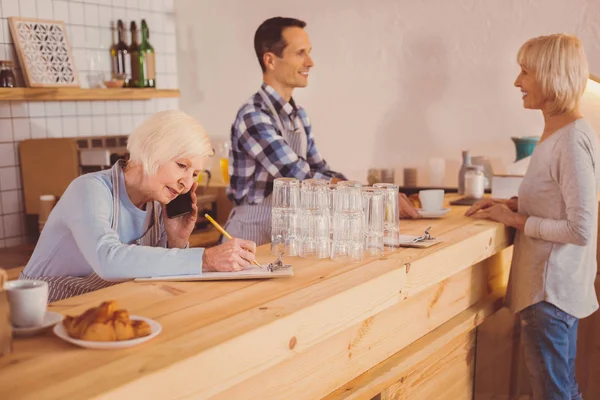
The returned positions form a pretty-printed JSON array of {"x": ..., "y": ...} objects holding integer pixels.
[{"x": 44, "y": 52}]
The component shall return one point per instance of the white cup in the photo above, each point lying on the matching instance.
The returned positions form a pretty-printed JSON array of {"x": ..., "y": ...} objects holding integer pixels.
[
  {"x": 431, "y": 200},
  {"x": 27, "y": 300}
]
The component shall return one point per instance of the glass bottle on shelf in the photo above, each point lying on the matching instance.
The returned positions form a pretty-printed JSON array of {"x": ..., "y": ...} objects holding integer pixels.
[
  {"x": 123, "y": 56},
  {"x": 114, "y": 60},
  {"x": 7, "y": 76},
  {"x": 147, "y": 52},
  {"x": 137, "y": 59}
]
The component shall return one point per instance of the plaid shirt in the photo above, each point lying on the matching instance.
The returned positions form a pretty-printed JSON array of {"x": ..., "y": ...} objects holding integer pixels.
[{"x": 259, "y": 153}]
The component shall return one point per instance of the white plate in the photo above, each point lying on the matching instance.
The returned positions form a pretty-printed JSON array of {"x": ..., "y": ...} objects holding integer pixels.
[
  {"x": 50, "y": 318},
  {"x": 433, "y": 214},
  {"x": 155, "y": 327}
]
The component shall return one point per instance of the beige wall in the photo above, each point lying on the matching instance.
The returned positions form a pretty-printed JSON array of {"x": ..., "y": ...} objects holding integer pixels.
[{"x": 395, "y": 81}]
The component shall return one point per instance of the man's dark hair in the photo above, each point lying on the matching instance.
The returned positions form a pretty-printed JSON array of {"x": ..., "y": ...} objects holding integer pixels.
[{"x": 269, "y": 37}]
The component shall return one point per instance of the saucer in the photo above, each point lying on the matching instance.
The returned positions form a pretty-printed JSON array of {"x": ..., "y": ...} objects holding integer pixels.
[
  {"x": 51, "y": 318},
  {"x": 155, "y": 328},
  {"x": 434, "y": 213}
]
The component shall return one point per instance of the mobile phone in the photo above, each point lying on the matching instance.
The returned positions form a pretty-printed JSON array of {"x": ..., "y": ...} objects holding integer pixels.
[{"x": 180, "y": 205}]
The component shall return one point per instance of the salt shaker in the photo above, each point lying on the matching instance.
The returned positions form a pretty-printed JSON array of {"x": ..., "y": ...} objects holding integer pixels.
[
  {"x": 474, "y": 182},
  {"x": 47, "y": 203}
]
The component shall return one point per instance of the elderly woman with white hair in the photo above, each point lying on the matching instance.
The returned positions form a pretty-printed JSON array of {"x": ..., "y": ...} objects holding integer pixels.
[
  {"x": 551, "y": 284},
  {"x": 111, "y": 226}
]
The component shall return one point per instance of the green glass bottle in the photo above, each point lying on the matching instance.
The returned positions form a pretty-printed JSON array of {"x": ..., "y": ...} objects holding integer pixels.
[
  {"x": 147, "y": 51},
  {"x": 137, "y": 59}
]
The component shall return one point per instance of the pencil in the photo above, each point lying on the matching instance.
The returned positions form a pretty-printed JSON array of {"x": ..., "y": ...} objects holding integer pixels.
[{"x": 224, "y": 232}]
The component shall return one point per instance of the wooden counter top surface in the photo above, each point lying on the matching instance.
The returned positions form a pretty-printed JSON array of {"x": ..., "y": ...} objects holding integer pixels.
[{"x": 265, "y": 339}]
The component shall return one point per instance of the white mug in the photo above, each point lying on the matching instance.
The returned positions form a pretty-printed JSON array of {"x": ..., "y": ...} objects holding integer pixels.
[
  {"x": 28, "y": 300},
  {"x": 431, "y": 200}
]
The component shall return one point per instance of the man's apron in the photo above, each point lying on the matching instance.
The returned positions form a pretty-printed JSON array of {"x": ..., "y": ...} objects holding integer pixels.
[{"x": 253, "y": 221}]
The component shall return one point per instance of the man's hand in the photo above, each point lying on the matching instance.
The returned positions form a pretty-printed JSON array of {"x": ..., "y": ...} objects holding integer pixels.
[{"x": 406, "y": 208}]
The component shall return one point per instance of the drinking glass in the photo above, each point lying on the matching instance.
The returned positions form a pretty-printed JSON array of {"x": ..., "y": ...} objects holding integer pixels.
[
  {"x": 348, "y": 225},
  {"x": 391, "y": 224},
  {"x": 374, "y": 215},
  {"x": 314, "y": 232},
  {"x": 284, "y": 216}
]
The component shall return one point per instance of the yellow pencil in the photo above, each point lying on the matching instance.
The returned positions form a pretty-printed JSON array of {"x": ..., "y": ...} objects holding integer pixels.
[{"x": 224, "y": 232}]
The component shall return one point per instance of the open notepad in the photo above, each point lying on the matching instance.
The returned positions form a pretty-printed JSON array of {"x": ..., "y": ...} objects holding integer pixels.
[{"x": 249, "y": 273}]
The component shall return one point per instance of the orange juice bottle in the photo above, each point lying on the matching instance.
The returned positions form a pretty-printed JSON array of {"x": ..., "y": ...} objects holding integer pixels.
[{"x": 225, "y": 169}]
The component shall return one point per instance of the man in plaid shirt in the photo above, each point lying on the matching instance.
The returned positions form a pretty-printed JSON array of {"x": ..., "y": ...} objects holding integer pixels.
[
  {"x": 271, "y": 136},
  {"x": 260, "y": 153}
]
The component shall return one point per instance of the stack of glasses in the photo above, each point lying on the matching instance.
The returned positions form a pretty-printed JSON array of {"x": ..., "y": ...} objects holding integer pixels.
[
  {"x": 341, "y": 221},
  {"x": 284, "y": 217},
  {"x": 348, "y": 241},
  {"x": 314, "y": 219}
]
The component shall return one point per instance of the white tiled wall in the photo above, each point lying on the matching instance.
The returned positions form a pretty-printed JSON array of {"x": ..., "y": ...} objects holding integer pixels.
[{"x": 88, "y": 24}]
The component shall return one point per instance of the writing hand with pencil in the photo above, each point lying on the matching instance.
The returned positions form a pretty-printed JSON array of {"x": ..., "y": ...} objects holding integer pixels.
[{"x": 234, "y": 255}]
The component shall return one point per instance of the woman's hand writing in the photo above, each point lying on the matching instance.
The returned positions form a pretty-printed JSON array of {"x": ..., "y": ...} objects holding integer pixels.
[{"x": 233, "y": 255}]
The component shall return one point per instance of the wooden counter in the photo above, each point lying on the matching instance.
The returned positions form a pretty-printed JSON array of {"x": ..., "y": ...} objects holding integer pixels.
[{"x": 332, "y": 330}]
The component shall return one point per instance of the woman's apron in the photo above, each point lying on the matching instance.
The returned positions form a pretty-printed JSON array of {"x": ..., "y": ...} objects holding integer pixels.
[
  {"x": 62, "y": 287},
  {"x": 253, "y": 221}
]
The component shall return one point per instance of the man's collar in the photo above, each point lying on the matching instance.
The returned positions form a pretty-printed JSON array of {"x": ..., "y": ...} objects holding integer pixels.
[{"x": 279, "y": 102}]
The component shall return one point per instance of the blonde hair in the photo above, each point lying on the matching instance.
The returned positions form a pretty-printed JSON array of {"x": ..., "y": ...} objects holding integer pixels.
[
  {"x": 560, "y": 67},
  {"x": 165, "y": 136}
]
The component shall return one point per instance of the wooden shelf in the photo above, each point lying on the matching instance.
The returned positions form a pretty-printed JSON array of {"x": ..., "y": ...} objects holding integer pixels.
[{"x": 64, "y": 94}]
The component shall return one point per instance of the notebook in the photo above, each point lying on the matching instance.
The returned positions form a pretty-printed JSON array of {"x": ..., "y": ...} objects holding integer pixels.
[{"x": 249, "y": 273}]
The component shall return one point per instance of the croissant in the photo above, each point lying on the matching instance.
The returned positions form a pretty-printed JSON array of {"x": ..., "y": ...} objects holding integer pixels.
[
  {"x": 415, "y": 201},
  {"x": 105, "y": 323}
]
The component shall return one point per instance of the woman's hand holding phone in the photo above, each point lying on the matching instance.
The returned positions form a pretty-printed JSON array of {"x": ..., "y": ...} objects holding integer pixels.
[{"x": 179, "y": 228}]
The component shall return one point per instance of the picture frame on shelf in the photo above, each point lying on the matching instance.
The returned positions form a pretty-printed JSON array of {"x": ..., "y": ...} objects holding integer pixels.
[{"x": 44, "y": 52}]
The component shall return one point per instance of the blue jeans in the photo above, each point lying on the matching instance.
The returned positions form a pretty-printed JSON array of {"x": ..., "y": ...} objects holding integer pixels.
[{"x": 549, "y": 337}]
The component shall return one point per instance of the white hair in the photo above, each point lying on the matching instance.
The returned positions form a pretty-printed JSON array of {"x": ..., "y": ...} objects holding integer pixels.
[{"x": 166, "y": 136}]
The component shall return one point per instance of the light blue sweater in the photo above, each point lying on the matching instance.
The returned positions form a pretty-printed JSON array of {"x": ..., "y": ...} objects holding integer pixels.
[{"x": 78, "y": 240}]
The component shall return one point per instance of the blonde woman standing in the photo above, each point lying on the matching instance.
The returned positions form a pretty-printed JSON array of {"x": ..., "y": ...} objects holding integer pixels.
[
  {"x": 111, "y": 226},
  {"x": 553, "y": 269}
]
